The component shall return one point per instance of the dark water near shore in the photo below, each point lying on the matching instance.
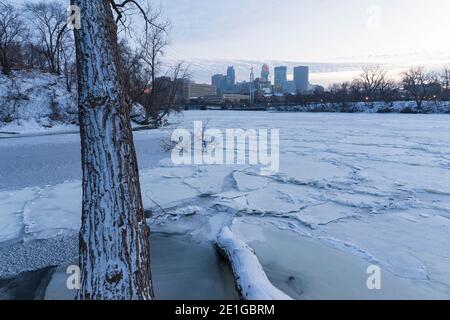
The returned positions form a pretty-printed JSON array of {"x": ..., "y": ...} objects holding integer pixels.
[
  {"x": 26, "y": 286},
  {"x": 181, "y": 269}
]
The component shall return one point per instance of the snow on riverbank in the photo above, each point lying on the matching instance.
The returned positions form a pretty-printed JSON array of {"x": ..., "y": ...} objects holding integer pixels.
[
  {"x": 375, "y": 187},
  {"x": 376, "y": 107},
  {"x": 34, "y": 100},
  {"x": 248, "y": 272},
  {"x": 31, "y": 127}
]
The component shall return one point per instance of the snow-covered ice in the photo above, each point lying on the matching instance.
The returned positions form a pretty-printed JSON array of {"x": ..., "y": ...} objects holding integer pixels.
[
  {"x": 309, "y": 269},
  {"x": 366, "y": 188}
]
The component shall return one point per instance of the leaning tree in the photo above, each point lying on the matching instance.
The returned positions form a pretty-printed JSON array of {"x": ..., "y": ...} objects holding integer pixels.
[{"x": 114, "y": 237}]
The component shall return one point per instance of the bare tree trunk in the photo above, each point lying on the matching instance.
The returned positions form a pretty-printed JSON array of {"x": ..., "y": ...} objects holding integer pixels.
[
  {"x": 114, "y": 248},
  {"x": 6, "y": 69}
]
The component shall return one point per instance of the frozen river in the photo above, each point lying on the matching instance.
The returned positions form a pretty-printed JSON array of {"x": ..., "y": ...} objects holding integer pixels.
[{"x": 356, "y": 189}]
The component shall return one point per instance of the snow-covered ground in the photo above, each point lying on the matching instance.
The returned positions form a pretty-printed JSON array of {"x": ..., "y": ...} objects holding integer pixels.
[
  {"x": 356, "y": 189},
  {"x": 427, "y": 107},
  {"x": 31, "y": 101}
]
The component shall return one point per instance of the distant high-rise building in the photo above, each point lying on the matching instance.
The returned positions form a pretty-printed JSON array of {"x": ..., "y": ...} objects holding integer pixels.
[
  {"x": 231, "y": 76},
  {"x": 280, "y": 78},
  {"x": 301, "y": 78},
  {"x": 196, "y": 90},
  {"x": 289, "y": 87},
  {"x": 219, "y": 81},
  {"x": 265, "y": 72},
  {"x": 252, "y": 83}
]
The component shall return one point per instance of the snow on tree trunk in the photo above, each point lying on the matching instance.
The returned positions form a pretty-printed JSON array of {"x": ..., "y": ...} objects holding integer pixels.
[{"x": 114, "y": 248}]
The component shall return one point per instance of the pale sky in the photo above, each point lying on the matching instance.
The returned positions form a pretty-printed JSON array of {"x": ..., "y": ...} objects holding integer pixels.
[
  {"x": 396, "y": 34},
  {"x": 309, "y": 30}
]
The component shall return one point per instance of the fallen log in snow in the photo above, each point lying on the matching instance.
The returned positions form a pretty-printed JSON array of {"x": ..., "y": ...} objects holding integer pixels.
[{"x": 251, "y": 280}]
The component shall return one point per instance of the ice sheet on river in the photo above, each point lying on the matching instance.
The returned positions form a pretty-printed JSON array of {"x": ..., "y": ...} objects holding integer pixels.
[{"x": 376, "y": 187}]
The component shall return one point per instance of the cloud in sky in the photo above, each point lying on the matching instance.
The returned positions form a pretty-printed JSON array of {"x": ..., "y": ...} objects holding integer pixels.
[
  {"x": 306, "y": 30},
  {"x": 211, "y": 34}
]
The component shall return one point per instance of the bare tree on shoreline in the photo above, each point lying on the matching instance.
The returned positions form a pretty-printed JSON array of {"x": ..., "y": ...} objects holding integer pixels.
[
  {"x": 49, "y": 21},
  {"x": 445, "y": 80},
  {"x": 11, "y": 33},
  {"x": 152, "y": 44},
  {"x": 373, "y": 80},
  {"x": 417, "y": 81}
]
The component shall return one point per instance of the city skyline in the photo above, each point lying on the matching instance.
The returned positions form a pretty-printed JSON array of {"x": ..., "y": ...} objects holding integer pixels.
[
  {"x": 263, "y": 86},
  {"x": 324, "y": 74}
]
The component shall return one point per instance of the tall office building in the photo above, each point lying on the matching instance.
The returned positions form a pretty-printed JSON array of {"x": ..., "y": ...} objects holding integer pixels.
[
  {"x": 231, "y": 76},
  {"x": 289, "y": 87},
  {"x": 280, "y": 78},
  {"x": 301, "y": 78},
  {"x": 219, "y": 81},
  {"x": 252, "y": 88},
  {"x": 265, "y": 72}
]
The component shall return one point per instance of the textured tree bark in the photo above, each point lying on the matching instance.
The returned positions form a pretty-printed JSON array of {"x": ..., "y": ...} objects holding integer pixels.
[{"x": 114, "y": 237}]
